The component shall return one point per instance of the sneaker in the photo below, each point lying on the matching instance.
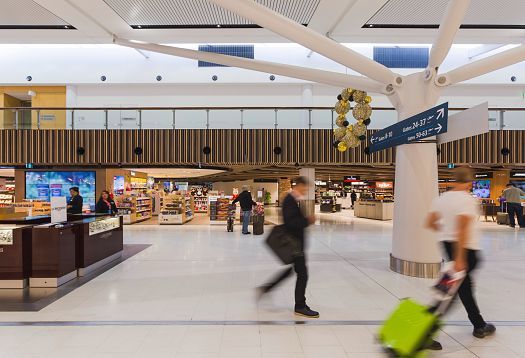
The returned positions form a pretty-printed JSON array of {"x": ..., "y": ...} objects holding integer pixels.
[
  {"x": 512, "y": 226},
  {"x": 485, "y": 331},
  {"x": 434, "y": 345},
  {"x": 246, "y": 233},
  {"x": 306, "y": 312}
]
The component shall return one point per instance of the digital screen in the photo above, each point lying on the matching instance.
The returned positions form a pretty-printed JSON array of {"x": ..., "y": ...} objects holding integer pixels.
[
  {"x": 43, "y": 185},
  {"x": 481, "y": 188},
  {"x": 118, "y": 184}
]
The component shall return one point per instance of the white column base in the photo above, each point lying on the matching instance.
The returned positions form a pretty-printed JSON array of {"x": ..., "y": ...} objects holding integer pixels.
[
  {"x": 17, "y": 284},
  {"x": 52, "y": 281},
  {"x": 83, "y": 271},
  {"x": 415, "y": 269}
]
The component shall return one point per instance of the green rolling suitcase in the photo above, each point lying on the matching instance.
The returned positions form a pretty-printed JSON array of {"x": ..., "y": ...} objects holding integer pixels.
[
  {"x": 408, "y": 330},
  {"x": 411, "y": 327}
]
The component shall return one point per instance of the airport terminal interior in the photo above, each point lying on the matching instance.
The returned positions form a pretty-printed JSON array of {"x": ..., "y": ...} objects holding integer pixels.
[{"x": 162, "y": 162}]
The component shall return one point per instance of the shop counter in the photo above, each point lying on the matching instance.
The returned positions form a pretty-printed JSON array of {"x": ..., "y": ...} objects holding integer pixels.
[
  {"x": 27, "y": 220},
  {"x": 53, "y": 255},
  {"x": 374, "y": 209},
  {"x": 99, "y": 242},
  {"x": 15, "y": 255}
]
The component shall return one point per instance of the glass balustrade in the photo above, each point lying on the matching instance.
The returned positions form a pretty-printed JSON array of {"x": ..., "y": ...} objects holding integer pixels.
[{"x": 212, "y": 118}]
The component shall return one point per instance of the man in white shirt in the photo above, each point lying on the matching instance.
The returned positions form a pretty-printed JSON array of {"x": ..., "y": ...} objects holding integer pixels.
[{"x": 454, "y": 215}]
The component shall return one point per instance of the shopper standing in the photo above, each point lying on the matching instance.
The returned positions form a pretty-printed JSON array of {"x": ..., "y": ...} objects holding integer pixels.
[
  {"x": 74, "y": 206},
  {"x": 247, "y": 204},
  {"x": 454, "y": 214},
  {"x": 295, "y": 223},
  {"x": 105, "y": 204},
  {"x": 512, "y": 196},
  {"x": 353, "y": 197}
]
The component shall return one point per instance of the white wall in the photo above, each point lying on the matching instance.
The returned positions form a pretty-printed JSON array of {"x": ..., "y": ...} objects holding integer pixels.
[{"x": 131, "y": 82}]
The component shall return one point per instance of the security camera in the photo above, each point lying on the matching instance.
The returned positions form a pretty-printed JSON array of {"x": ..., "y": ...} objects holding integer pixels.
[
  {"x": 272, "y": 78},
  {"x": 513, "y": 78},
  {"x": 214, "y": 78},
  {"x": 159, "y": 78},
  {"x": 29, "y": 78},
  {"x": 103, "y": 78}
]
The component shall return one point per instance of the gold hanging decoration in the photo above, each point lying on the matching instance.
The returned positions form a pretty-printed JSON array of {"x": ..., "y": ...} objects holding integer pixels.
[
  {"x": 351, "y": 135},
  {"x": 339, "y": 133},
  {"x": 342, "y": 107},
  {"x": 362, "y": 111}
]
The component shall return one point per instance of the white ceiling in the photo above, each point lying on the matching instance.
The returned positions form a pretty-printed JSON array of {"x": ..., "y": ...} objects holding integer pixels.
[
  {"x": 481, "y": 12},
  {"x": 27, "y": 12},
  {"x": 343, "y": 20},
  {"x": 202, "y": 12},
  {"x": 174, "y": 173}
]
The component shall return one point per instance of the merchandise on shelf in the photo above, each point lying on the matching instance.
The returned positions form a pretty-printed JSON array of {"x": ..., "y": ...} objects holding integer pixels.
[
  {"x": 219, "y": 208},
  {"x": 200, "y": 197},
  {"x": 134, "y": 208},
  {"x": 178, "y": 208}
]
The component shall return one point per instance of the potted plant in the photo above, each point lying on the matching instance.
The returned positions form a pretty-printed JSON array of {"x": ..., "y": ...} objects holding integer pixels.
[{"x": 267, "y": 197}]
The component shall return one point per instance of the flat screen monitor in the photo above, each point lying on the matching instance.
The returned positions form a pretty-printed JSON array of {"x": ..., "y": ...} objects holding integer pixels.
[
  {"x": 481, "y": 188},
  {"x": 43, "y": 185}
]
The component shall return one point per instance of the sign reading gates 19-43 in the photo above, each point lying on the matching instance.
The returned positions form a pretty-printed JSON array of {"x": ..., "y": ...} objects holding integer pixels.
[{"x": 423, "y": 125}]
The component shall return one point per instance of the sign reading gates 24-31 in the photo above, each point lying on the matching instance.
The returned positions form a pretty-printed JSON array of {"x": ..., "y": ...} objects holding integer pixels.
[{"x": 423, "y": 125}]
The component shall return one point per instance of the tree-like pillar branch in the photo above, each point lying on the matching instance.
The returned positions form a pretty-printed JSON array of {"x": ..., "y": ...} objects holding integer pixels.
[
  {"x": 309, "y": 38},
  {"x": 448, "y": 28},
  {"x": 484, "y": 66},
  {"x": 308, "y": 74}
]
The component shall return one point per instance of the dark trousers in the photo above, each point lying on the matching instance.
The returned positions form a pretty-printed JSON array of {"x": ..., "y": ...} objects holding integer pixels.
[
  {"x": 515, "y": 209},
  {"x": 301, "y": 270},
  {"x": 465, "y": 292}
]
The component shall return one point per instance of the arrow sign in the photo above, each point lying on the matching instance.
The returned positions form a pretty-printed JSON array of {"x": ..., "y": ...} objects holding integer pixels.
[{"x": 426, "y": 124}]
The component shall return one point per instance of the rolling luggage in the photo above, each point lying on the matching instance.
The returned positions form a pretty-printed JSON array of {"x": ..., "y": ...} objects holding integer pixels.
[
  {"x": 229, "y": 225},
  {"x": 411, "y": 327},
  {"x": 230, "y": 221},
  {"x": 502, "y": 218}
]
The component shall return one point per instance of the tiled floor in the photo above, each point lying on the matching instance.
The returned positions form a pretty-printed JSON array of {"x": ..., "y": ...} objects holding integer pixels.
[{"x": 191, "y": 294}]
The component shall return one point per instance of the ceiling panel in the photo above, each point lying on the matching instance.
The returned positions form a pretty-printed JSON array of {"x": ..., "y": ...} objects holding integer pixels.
[
  {"x": 20, "y": 14},
  {"x": 201, "y": 13},
  {"x": 502, "y": 14}
]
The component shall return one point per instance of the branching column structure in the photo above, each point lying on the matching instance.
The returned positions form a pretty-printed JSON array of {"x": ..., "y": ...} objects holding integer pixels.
[{"x": 414, "y": 250}]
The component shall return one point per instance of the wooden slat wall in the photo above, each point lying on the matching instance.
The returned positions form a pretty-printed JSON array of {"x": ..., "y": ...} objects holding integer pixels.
[{"x": 228, "y": 147}]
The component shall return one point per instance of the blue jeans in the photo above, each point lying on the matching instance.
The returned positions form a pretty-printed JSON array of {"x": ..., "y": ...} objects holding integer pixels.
[{"x": 246, "y": 221}]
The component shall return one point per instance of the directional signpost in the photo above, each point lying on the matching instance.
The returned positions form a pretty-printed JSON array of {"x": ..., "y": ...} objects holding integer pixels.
[{"x": 423, "y": 125}]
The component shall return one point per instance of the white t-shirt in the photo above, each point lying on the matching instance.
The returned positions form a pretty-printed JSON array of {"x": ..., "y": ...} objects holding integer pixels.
[{"x": 449, "y": 206}]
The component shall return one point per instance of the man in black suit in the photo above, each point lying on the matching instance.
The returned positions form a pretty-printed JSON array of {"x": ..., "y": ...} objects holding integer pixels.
[
  {"x": 74, "y": 206},
  {"x": 295, "y": 223}
]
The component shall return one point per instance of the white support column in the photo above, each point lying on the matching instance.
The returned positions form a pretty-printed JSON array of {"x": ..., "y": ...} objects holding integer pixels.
[
  {"x": 414, "y": 248},
  {"x": 309, "y": 200}
]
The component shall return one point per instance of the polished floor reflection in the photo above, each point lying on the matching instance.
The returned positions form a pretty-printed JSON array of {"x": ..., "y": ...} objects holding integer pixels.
[{"x": 191, "y": 294}]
